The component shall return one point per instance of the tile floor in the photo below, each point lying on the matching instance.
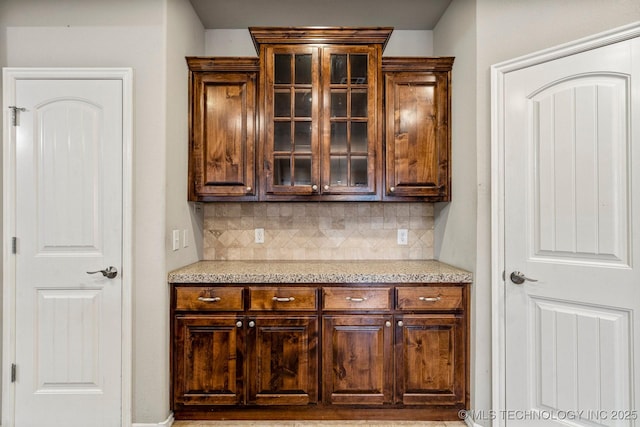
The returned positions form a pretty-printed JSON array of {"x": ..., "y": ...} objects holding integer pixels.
[{"x": 319, "y": 423}]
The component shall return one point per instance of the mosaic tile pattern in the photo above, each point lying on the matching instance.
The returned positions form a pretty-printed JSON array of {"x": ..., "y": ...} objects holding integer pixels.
[{"x": 317, "y": 231}]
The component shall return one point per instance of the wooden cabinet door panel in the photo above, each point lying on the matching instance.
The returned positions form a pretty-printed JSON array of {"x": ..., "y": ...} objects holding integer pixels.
[
  {"x": 430, "y": 359},
  {"x": 283, "y": 360},
  {"x": 208, "y": 360},
  {"x": 357, "y": 359},
  {"x": 222, "y": 155},
  {"x": 418, "y": 129}
]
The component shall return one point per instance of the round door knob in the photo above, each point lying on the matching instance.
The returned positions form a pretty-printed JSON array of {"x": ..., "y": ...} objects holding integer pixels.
[
  {"x": 252, "y": 324},
  {"x": 387, "y": 324},
  {"x": 239, "y": 324},
  {"x": 392, "y": 189},
  {"x": 249, "y": 189},
  {"x": 400, "y": 323},
  {"x": 326, "y": 187},
  {"x": 314, "y": 187}
]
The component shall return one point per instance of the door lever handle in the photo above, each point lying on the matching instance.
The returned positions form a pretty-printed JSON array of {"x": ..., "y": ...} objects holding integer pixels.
[
  {"x": 110, "y": 272},
  {"x": 519, "y": 278}
]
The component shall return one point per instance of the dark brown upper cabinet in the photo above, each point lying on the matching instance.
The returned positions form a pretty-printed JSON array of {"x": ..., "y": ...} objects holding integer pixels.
[
  {"x": 320, "y": 115},
  {"x": 321, "y": 100},
  {"x": 418, "y": 130},
  {"x": 222, "y": 117}
]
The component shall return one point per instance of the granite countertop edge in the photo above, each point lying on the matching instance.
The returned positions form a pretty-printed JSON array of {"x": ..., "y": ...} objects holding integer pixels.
[{"x": 284, "y": 272}]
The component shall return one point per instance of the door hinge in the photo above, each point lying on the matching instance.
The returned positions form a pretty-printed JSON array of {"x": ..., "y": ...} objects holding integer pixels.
[
  {"x": 14, "y": 245},
  {"x": 13, "y": 372},
  {"x": 14, "y": 114}
]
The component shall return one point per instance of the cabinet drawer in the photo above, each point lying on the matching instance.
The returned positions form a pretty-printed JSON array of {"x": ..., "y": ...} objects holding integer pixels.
[
  {"x": 428, "y": 298},
  {"x": 356, "y": 298},
  {"x": 207, "y": 298},
  {"x": 282, "y": 298}
]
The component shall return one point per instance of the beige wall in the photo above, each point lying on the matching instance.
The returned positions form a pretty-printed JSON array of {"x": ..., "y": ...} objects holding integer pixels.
[
  {"x": 183, "y": 36},
  {"x": 238, "y": 43},
  {"x": 455, "y": 225}
]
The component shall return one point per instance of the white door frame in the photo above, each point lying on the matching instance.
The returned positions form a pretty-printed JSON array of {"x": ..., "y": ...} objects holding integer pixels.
[
  {"x": 498, "y": 73},
  {"x": 10, "y": 75}
]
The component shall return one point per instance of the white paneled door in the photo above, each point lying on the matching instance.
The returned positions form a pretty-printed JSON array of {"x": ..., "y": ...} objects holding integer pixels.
[
  {"x": 572, "y": 239},
  {"x": 68, "y": 222}
]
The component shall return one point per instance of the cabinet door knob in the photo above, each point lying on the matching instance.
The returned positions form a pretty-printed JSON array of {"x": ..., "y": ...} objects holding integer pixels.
[
  {"x": 314, "y": 187},
  {"x": 326, "y": 187},
  {"x": 239, "y": 324},
  {"x": 392, "y": 189},
  {"x": 252, "y": 323},
  {"x": 249, "y": 189},
  {"x": 400, "y": 323},
  {"x": 387, "y": 324}
]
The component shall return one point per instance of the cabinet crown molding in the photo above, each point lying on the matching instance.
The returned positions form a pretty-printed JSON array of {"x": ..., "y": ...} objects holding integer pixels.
[
  {"x": 403, "y": 63},
  {"x": 320, "y": 35}
]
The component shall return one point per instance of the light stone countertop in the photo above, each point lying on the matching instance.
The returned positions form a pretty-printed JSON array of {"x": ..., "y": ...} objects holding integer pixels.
[{"x": 375, "y": 271}]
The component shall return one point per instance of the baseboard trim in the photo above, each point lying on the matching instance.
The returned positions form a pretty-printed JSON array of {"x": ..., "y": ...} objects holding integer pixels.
[
  {"x": 166, "y": 423},
  {"x": 468, "y": 421}
]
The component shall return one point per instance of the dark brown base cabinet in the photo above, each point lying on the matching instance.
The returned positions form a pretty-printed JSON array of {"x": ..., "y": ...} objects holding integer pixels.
[{"x": 319, "y": 351}]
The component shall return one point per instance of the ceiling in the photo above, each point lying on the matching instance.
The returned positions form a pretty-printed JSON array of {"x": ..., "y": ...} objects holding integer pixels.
[{"x": 399, "y": 14}]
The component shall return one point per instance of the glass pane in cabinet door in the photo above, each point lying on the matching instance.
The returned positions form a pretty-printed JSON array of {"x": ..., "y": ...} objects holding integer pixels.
[
  {"x": 338, "y": 104},
  {"x": 303, "y": 70},
  {"x": 282, "y": 72},
  {"x": 302, "y": 171},
  {"x": 358, "y": 69},
  {"x": 359, "y": 137},
  {"x": 338, "y": 136},
  {"x": 338, "y": 175},
  {"x": 302, "y": 141},
  {"x": 282, "y": 136},
  {"x": 282, "y": 171},
  {"x": 303, "y": 103},
  {"x": 359, "y": 103},
  {"x": 358, "y": 171},
  {"x": 338, "y": 69},
  {"x": 282, "y": 104}
]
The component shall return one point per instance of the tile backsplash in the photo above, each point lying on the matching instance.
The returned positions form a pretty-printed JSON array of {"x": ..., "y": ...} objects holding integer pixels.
[{"x": 317, "y": 231}]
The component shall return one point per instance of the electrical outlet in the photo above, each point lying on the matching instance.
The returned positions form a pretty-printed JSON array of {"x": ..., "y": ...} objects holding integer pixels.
[
  {"x": 403, "y": 236},
  {"x": 176, "y": 239},
  {"x": 259, "y": 234}
]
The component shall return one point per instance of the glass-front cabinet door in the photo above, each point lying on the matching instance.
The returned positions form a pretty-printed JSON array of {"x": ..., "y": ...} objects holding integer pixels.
[
  {"x": 348, "y": 120},
  {"x": 320, "y": 121},
  {"x": 291, "y": 121}
]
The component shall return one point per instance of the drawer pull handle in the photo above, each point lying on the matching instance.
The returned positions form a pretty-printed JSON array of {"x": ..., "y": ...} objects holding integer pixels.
[
  {"x": 209, "y": 299},
  {"x": 356, "y": 299},
  {"x": 429, "y": 299},
  {"x": 283, "y": 299}
]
